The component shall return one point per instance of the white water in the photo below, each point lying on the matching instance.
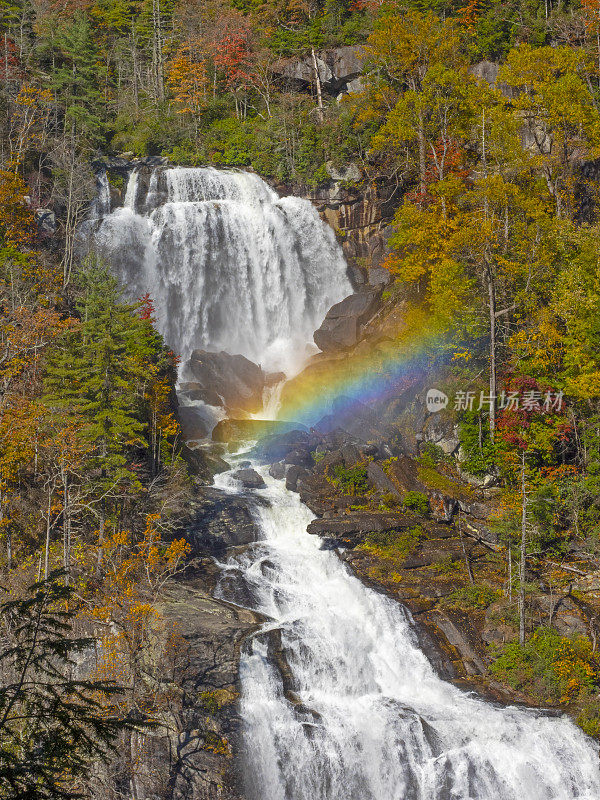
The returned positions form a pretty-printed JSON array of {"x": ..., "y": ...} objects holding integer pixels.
[
  {"x": 230, "y": 265},
  {"x": 375, "y": 723}
]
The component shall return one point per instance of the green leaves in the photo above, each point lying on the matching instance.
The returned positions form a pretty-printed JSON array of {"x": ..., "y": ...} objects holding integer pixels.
[
  {"x": 54, "y": 720},
  {"x": 98, "y": 373}
]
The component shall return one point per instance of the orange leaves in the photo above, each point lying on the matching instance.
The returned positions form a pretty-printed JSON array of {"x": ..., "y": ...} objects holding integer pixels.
[
  {"x": 17, "y": 222},
  {"x": 188, "y": 81},
  {"x": 24, "y": 334},
  {"x": 137, "y": 568}
]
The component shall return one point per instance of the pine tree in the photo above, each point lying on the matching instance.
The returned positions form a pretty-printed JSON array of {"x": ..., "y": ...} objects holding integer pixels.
[
  {"x": 99, "y": 374},
  {"x": 53, "y": 725}
]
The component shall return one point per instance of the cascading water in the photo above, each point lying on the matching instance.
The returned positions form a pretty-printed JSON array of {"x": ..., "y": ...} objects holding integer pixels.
[
  {"x": 369, "y": 719},
  {"x": 229, "y": 265}
]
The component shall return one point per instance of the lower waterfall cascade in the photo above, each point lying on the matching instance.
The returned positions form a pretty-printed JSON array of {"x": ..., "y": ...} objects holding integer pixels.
[
  {"x": 368, "y": 718},
  {"x": 228, "y": 264},
  {"x": 358, "y": 712}
]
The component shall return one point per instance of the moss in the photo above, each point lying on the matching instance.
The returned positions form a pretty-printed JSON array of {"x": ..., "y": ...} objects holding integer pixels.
[
  {"x": 434, "y": 479},
  {"x": 471, "y": 598},
  {"x": 392, "y": 546},
  {"x": 416, "y": 501},
  {"x": 447, "y": 566}
]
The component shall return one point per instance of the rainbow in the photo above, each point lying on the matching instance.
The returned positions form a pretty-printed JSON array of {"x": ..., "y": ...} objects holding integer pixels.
[{"x": 371, "y": 372}]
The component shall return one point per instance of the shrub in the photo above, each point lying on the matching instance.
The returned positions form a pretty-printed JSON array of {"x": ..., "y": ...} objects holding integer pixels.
[
  {"x": 431, "y": 455},
  {"x": 389, "y": 500},
  {"x": 351, "y": 480},
  {"x": 471, "y": 598},
  {"x": 550, "y": 667},
  {"x": 416, "y": 501}
]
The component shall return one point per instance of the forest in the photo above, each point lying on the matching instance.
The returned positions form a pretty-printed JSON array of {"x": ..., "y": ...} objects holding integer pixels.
[{"x": 495, "y": 241}]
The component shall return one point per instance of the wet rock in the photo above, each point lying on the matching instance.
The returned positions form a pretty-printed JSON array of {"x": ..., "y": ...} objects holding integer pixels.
[
  {"x": 250, "y": 478},
  {"x": 193, "y": 424},
  {"x": 299, "y": 457},
  {"x": 341, "y": 327},
  {"x": 354, "y": 422},
  {"x": 277, "y": 470},
  {"x": 242, "y": 430},
  {"x": 276, "y": 446},
  {"x": 221, "y": 521},
  {"x": 196, "y": 391},
  {"x": 234, "y": 378},
  {"x": 203, "y": 463},
  {"x": 293, "y": 474}
]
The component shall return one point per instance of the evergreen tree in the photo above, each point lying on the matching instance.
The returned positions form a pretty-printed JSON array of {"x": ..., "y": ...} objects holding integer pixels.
[
  {"x": 53, "y": 724},
  {"x": 99, "y": 374}
]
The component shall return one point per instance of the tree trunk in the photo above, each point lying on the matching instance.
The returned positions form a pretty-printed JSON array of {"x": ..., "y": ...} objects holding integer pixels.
[
  {"x": 523, "y": 555},
  {"x": 318, "y": 83},
  {"x": 422, "y": 146},
  {"x": 492, "y": 309}
]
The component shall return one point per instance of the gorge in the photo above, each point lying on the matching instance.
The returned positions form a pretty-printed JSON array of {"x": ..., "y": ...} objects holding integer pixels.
[{"x": 359, "y": 712}]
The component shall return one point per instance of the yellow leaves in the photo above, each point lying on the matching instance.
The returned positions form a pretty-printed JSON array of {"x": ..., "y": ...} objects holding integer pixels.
[
  {"x": 17, "y": 222},
  {"x": 188, "y": 80}
]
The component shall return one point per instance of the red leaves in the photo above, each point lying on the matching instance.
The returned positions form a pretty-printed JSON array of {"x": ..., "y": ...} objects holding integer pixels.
[
  {"x": 146, "y": 307},
  {"x": 10, "y": 64}
]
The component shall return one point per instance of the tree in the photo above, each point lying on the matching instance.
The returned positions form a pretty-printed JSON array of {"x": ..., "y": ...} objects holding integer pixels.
[
  {"x": 53, "y": 724},
  {"x": 558, "y": 110},
  {"x": 400, "y": 52}
]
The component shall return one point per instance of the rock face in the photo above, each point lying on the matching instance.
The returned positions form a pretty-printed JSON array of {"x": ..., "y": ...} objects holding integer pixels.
[
  {"x": 185, "y": 764},
  {"x": 222, "y": 521},
  {"x": 337, "y": 69},
  {"x": 341, "y": 327},
  {"x": 234, "y": 379}
]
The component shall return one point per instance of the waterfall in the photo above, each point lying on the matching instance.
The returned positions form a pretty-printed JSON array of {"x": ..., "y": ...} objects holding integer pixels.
[
  {"x": 367, "y": 718},
  {"x": 229, "y": 264}
]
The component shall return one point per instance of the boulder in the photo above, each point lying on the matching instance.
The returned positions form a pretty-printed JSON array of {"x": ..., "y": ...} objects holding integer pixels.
[
  {"x": 277, "y": 470},
  {"x": 249, "y": 478},
  {"x": 380, "y": 480},
  {"x": 342, "y": 324},
  {"x": 299, "y": 457},
  {"x": 354, "y": 526},
  {"x": 221, "y": 521},
  {"x": 357, "y": 423},
  {"x": 337, "y": 68},
  {"x": 193, "y": 424},
  {"x": 237, "y": 381},
  {"x": 348, "y": 173},
  {"x": 196, "y": 391},
  {"x": 243, "y": 430},
  {"x": 293, "y": 474},
  {"x": 379, "y": 276},
  {"x": 276, "y": 447},
  {"x": 203, "y": 463}
]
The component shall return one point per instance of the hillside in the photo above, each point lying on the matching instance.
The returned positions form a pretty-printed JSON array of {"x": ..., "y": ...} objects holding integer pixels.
[{"x": 449, "y": 438}]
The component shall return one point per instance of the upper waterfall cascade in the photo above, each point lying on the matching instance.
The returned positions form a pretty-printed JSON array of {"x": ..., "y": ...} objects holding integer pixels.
[
  {"x": 228, "y": 264},
  {"x": 367, "y": 718}
]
